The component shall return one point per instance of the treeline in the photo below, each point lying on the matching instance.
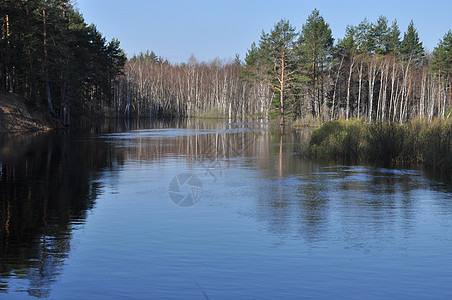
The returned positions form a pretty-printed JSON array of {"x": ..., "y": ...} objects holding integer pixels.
[
  {"x": 49, "y": 54},
  {"x": 153, "y": 87},
  {"x": 372, "y": 73},
  {"x": 375, "y": 72}
]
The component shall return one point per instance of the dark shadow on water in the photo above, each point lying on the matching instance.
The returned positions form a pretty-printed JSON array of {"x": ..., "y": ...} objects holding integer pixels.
[
  {"x": 47, "y": 185},
  {"x": 50, "y": 181}
]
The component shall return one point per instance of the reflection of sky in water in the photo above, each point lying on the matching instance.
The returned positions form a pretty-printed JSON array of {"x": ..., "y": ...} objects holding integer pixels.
[
  {"x": 170, "y": 133},
  {"x": 266, "y": 226}
]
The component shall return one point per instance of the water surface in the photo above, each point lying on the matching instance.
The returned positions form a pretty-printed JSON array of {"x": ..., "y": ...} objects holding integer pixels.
[{"x": 106, "y": 214}]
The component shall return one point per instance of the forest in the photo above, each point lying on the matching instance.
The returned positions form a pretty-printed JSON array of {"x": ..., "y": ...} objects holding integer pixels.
[
  {"x": 50, "y": 55},
  {"x": 375, "y": 72}
]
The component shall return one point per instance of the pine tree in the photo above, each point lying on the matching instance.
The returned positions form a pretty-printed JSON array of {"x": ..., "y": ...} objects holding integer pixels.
[
  {"x": 252, "y": 55},
  {"x": 442, "y": 63},
  {"x": 393, "y": 42},
  {"x": 350, "y": 41},
  {"x": 411, "y": 47},
  {"x": 442, "y": 54},
  {"x": 315, "y": 47},
  {"x": 274, "y": 60},
  {"x": 380, "y": 35},
  {"x": 366, "y": 44},
  {"x": 49, "y": 53}
]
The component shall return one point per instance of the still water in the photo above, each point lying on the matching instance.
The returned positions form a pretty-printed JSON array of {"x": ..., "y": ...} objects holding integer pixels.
[{"x": 193, "y": 210}]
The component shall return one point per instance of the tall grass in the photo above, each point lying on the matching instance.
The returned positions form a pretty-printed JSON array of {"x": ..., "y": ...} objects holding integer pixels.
[
  {"x": 338, "y": 139},
  {"x": 213, "y": 113},
  {"x": 416, "y": 142}
]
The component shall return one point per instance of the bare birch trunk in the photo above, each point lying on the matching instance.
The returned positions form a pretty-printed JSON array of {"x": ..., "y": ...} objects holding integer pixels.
[
  {"x": 360, "y": 86},
  {"x": 335, "y": 86},
  {"x": 347, "y": 112}
]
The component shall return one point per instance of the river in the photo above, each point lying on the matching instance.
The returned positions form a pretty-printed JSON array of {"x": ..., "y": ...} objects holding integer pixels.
[{"x": 212, "y": 210}]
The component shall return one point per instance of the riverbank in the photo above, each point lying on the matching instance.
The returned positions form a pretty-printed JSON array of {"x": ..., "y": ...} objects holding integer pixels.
[
  {"x": 19, "y": 114},
  {"x": 416, "y": 142}
]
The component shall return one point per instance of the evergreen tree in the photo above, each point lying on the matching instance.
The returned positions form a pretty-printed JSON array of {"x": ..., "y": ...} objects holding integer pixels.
[
  {"x": 411, "y": 47},
  {"x": 49, "y": 53},
  {"x": 252, "y": 55},
  {"x": 375, "y": 38},
  {"x": 350, "y": 41},
  {"x": 380, "y": 34},
  {"x": 442, "y": 62},
  {"x": 393, "y": 41},
  {"x": 274, "y": 61},
  {"x": 315, "y": 47},
  {"x": 442, "y": 54},
  {"x": 366, "y": 44}
]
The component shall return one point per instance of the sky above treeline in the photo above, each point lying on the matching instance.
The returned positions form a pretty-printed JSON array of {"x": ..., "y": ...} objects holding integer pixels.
[{"x": 209, "y": 29}]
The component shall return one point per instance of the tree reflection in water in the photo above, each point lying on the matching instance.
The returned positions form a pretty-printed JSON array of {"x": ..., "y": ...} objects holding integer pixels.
[
  {"x": 50, "y": 181},
  {"x": 47, "y": 185}
]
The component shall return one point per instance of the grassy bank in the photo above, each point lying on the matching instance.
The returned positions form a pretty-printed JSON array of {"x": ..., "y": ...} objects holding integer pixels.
[{"x": 417, "y": 142}]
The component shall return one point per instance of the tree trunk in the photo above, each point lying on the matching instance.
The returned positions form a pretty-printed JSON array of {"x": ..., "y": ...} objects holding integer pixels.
[
  {"x": 281, "y": 99},
  {"x": 422, "y": 102},
  {"x": 450, "y": 89},
  {"x": 380, "y": 93},
  {"x": 439, "y": 92},
  {"x": 405, "y": 93},
  {"x": 385, "y": 89},
  {"x": 360, "y": 87},
  {"x": 313, "y": 84},
  {"x": 282, "y": 84},
  {"x": 335, "y": 86},
  {"x": 393, "y": 96},
  {"x": 372, "y": 75},
  {"x": 347, "y": 111},
  {"x": 46, "y": 67},
  {"x": 8, "y": 75}
]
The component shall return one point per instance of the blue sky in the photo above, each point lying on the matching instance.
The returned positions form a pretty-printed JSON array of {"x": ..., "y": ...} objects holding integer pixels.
[{"x": 210, "y": 29}]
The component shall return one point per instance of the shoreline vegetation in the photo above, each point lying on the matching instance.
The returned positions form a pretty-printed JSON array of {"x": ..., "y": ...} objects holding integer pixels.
[{"x": 417, "y": 142}]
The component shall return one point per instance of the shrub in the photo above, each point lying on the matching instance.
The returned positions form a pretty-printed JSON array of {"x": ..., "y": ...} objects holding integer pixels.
[
  {"x": 437, "y": 144},
  {"x": 385, "y": 143},
  {"x": 338, "y": 139}
]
